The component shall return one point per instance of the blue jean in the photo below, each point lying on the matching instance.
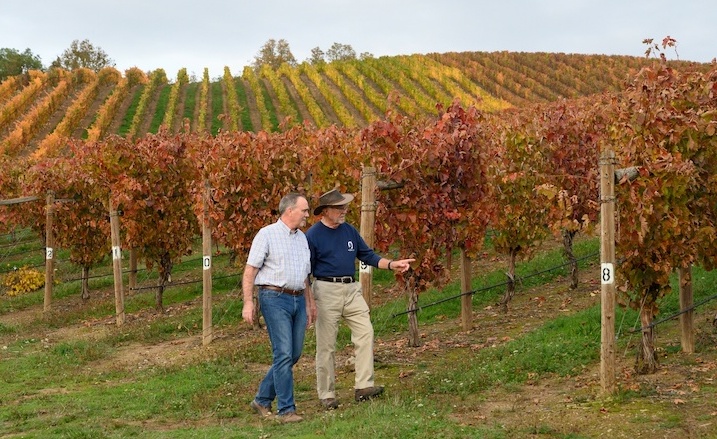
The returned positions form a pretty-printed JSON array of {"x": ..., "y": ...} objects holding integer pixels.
[{"x": 285, "y": 318}]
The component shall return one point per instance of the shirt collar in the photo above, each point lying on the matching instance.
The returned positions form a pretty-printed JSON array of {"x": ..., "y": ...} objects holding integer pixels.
[{"x": 286, "y": 228}]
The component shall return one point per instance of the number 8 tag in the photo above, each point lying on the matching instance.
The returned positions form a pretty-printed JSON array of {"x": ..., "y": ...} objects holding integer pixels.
[{"x": 607, "y": 276}]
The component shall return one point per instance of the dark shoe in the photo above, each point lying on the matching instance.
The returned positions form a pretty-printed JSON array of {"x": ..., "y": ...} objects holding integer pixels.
[
  {"x": 330, "y": 403},
  {"x": 368, "y": 393},
  {"x": 289, "y": 417},
  {"x": 260, "y": 409}
]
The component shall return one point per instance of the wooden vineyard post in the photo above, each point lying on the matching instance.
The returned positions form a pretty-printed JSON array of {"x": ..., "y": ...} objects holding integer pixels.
[
  {"x": 368, "y": 223},
  {"x": 117, "y": 264},
  {"x": 607, "y": 270},
  {"x": 49, "y": 250},
  {"x": 414, "y": 337},
  {"x": 132, "y": 277},
  {"x": 466, "y": 299},
  {"x": 686, "y": 302},
  {"x": 206, "y": 269}
]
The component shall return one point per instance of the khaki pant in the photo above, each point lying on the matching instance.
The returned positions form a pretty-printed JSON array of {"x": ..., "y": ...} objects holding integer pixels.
[{"x": 335, "y": 301}]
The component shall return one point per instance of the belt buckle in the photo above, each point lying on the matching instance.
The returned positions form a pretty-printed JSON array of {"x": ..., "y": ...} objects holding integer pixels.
[{"x": 291, "y": 292}]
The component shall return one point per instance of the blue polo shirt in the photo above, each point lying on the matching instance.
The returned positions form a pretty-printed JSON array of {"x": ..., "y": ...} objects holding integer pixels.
[{"x": 334, "y": 251}]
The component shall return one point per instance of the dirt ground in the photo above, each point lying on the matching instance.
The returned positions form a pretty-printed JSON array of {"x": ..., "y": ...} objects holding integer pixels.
[{"x": 676, "y": 402}]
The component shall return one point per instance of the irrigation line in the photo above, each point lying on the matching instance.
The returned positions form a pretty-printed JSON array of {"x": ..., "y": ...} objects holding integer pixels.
[
  {"x": 181, "y": 262},
  {"x": 141, "y": 269},
  {"x": 25, "y": 266},
  {"x": 146, "y": 276},
  {"x": 7, "y": 255},
  {"x": 520, "y": 278},
  {"x": 41, "y": 264},
  {"x": 677, "y": 314},
  {"x": 95, "y": 276},
  {"x": 74, "y": 279},
  {"x": 123, "y": 272},
  {"x": 104, "y": 275},
  {"x": 182, "y": 283},
  {"x": 17, "y": 232},
  {"x": 19, "y": 242}
]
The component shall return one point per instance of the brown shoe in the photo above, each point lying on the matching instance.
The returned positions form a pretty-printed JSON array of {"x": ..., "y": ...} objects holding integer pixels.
[
  {"x": 289, "y": 417},
  {"x": 330, "y": 403},
  {"x": 368, "y": 393},
  {"x": 260, "y": 409}
]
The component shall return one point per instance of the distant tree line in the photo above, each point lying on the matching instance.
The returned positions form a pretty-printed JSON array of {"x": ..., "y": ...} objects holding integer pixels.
[
  {"x": 275, "y": 53},
  {"x": 79, "y": 54},
  {"x": 84, "y": 54},
  {"x": 13, "y": 62}
]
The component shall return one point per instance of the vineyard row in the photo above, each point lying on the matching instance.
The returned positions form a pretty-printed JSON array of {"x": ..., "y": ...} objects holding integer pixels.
[{"x": 38, "y": 110}]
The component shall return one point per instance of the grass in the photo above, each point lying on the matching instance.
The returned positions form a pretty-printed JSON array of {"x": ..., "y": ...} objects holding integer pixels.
[
  {"x": 129, "y": 115},
  {"x": 217, "y": 107},
  {"x": 269, "y": 106},
  {"x": 190, "y": 101},
  {"x": 55, "y": 383},
  {"x": 160, "y": 109},
  {"x": 244, "y": 104}
]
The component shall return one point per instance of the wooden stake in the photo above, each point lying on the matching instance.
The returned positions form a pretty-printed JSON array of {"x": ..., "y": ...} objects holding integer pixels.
[
  {"x": 466, "y": 299},
  {"x": 206, "y": 269},
  {"x": 368, "y": 223},
  {"x": 686, "y": 318},
  {"x": 132, "y": 277},
  {"x": 49, "y": 250},
  {"x": 607, "y": 270},
  {"x": 117, "y": 264}
]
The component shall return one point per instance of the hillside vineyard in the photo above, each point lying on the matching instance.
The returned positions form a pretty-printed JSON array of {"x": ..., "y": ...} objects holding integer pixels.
[{"x": 40, "y": 109}]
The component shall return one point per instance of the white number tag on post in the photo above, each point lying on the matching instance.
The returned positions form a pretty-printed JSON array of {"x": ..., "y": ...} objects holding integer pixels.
[
  {"x": 48, "y": 253},
  {"x": 364, "y": 268},
  {"x": 206, "y": 262},
  {"x": 607, "y": 273},
  {"x": 116, "y": 253}
]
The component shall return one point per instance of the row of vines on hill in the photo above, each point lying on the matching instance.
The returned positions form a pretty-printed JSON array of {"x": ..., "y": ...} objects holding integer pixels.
[
  {"x": 88, "y": 87},
  {"x": 28, "y": 126},
  {"x": 348, "y": 93},
  {"x": 520, "y": 173}
]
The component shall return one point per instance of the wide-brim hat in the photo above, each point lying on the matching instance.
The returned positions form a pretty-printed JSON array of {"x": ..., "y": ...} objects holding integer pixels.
[{"x": 332, "y": 198}]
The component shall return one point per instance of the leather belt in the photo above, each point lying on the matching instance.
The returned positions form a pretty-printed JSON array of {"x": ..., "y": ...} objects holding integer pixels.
[
  {"x": 339, "y": 279},
  {"x": 282, "y": 290}
]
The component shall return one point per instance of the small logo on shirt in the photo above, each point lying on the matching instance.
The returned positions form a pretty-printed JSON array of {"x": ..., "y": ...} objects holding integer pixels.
[{"x": 350, "y": 246}]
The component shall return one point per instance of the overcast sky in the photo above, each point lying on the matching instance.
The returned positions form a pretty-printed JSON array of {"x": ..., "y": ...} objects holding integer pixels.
[{"x": 172, "y": 34}]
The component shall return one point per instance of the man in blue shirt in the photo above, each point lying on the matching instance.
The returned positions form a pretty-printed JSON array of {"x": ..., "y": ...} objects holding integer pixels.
[
  {"x": 279, "y": 265},
  {"x": 335, "y": 246}
]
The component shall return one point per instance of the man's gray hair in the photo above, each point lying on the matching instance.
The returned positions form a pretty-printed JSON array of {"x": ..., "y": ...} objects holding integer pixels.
[{"x": 288, "y": 200}]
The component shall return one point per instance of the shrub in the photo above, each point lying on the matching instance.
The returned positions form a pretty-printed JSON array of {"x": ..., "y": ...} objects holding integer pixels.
[{"x": 23, "y": 280}]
